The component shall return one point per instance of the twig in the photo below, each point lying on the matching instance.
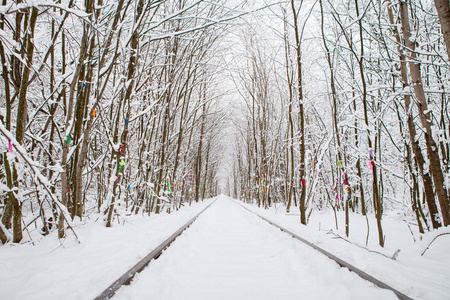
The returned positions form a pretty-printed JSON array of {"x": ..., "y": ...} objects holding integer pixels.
[
  {"x": 368, "y": 230},
  {"x": 428, "y": 247},
  {"x": 410, "y": 231},
  {"x": 393, "y": 257},
  {"x": 26, "y": 228},
  {"x": 38, "y": 175}
]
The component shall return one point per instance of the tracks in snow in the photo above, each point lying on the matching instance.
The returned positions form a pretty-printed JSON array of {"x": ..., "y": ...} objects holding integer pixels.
[
  {"x": 126, "y": 278},
  {"x": 339, "y": 261},
  {"x": 129, "y": 275}
]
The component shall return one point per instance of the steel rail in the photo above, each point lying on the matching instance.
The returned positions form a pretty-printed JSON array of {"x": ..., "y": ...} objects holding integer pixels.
[
  {"x": 126, "y": 278},
  {"x": 338, "y": 260}
]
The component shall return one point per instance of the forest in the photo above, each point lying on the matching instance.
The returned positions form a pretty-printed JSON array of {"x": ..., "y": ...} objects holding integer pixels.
[{"x": 119, "y": 107}]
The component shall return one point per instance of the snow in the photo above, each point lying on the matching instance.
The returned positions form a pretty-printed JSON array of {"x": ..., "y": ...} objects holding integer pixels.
[
  {"x": 228, "y": 253},
  {"x": 68, "y": 270},
  {"x": 419, "y": 277}
]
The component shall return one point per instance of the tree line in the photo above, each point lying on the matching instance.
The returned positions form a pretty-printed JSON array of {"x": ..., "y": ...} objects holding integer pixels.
[
  {"x": 376, "y": 137},
  {"x": 107, "y": 107}
]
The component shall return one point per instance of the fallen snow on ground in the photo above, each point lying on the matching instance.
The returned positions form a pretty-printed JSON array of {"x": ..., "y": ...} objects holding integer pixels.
[
  {"x": 206, "y": 262},
  {"x": 229, "y": 253},
  {"x": 419, "y": 277},
  {"x": 55, "y": 269}
]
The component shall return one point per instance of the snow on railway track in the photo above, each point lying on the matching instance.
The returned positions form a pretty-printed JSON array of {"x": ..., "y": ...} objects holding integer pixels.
[{"x": 230, "y": 253}]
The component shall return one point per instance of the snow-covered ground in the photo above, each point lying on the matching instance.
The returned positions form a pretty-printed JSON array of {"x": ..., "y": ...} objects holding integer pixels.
[
  {"x": 419, "y": 277},
  {"x": 69, "y": 270},
  {"x": 229, "y": 253}
]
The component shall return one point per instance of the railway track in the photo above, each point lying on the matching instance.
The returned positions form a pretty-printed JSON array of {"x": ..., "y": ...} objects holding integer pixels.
[
  {"x": 129, "y": 275},
  {"x": 126, "y": 278},
  {"x": 338, "y": 260}
]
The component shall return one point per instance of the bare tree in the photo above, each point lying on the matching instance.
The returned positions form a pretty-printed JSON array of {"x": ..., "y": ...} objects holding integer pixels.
[
  {"x": 422, "y": 105},
  {"x": 443, "y": 9}
]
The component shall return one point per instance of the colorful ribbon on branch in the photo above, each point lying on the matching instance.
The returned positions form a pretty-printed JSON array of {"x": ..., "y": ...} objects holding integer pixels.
[
  {"x": 345, "y": 178},
  {"x": 10, "y": 147},
  {"x": 121, "y": 164},
  {"x": 389, "y": 172}
]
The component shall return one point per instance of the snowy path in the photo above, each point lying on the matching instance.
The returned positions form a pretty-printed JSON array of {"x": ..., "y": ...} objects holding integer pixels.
[{"x": 229, "y": 253}]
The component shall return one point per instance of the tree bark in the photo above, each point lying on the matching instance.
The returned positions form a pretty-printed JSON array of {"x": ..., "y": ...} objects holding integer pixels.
[
  {"x": 443, "y": 9},
  {"x": 8, "y": 210},
  {"x": 427, "y": 183},
  {"x": 22, "y": 114},
  {"x": 377, "y": 201},
  {"x": 65, "y": 185},
  {"x": 198, "y": 164},
  {"x": 424, "y": 115},
  {"x": 302, "y": 178},
  {"x": 132, "y": 65}
]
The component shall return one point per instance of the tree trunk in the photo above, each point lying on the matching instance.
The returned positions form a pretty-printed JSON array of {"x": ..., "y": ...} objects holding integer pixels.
[
  {"x": 427, "y": 183},
  {"x": 198, "y": 164},
  {"x": 65, "y": 185},
  {"x": 22, "y": 109},
  {"x": 118, "y": 156},
  {"x": 377, "y": 201},
  {"x": 424, "y": 114},
  {"x": 8, "y": 210},
  {"x": 290, "y": 169},
  {"x": 302, "y": 178},
  {"x": 443, "y": 9},
  {"x": 22, "y": 115}
]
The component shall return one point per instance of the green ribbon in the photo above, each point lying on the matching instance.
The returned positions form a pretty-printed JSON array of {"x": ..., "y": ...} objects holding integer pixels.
[{"x": 121, "y": 164}]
